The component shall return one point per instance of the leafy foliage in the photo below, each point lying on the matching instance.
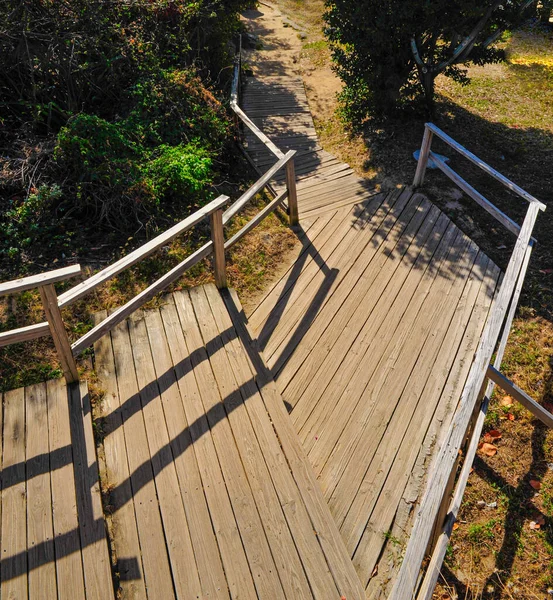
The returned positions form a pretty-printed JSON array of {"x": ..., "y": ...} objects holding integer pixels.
[
  {"x": 389, "y": 52},
  {"x": 109, "y": 114}
]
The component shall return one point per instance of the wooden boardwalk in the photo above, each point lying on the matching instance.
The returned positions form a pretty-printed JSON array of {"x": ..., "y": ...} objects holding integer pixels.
[
  {"x": 53, "y": 543},
  {"x": 278, "y": 106},
  {"x": 212, "y": 496},
  {"x": 370, "y": 335}
]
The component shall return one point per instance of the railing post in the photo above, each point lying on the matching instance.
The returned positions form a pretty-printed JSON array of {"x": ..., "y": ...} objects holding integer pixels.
[
  {"x": 57, "y": 329},
  {"x": 218, "y": 238},
  {"x": 423, "y": 157},
  {"x": 292, "y": 192}
]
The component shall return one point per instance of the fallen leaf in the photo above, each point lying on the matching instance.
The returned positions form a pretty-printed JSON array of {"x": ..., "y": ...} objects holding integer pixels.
[
  {"x": 510, "y": 416},
  {"x": 492, "y": 435},
  {"x": 546, "y": 271},
  {"x": 455, "y": 526},
  {"x": 535, "y": 484},
  {"x": 487, "y": 449},
  {"x": 506, "y": 401},
  {"x": 375, "y": 571},
  {"x": 534, "y": 525}
]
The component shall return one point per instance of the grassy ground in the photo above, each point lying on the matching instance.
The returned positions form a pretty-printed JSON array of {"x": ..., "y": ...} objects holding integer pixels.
[{"x": 503, "y": 544}]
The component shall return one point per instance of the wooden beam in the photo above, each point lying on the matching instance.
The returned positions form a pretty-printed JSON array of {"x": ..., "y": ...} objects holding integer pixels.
[
  {"x": 433, "y": 571},
  {"x": 445, "y": 459},
  {"x": 257, "y": 187},
  {"x": 271, "y": 207},
  {"x": 124, "y": 311},
  {"x": 484, "y": 166},
  {"x": 476, "y": 195},
  {"x": 521, "y": 396},
  {"x": 423, "y": 158},
  {"x": 256, "y": 131},
  {"x": 57, "y": 329},
  {"x": 218, "y": 239},
  {"x": 127, "y": 261},
  {"x": 292, "y": 193},
  {"x": 35, "y": 281},
  {"x": 24, "y": 334}
]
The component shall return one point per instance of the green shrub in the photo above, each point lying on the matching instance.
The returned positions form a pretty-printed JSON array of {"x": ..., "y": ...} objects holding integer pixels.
[{"x": 182, "y": 172}]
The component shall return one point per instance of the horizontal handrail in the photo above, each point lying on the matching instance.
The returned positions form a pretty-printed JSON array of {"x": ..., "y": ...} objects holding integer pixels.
[
  {"x": 511, "y": 225},
  {"x": 35, "y": 281},
  {"x": 145, "y": 296},
  {"x": 484, "y": 166},
  {"x": 275, "y": 203},
  {"x": 24, "y": 334},
  {"x": 237, "y": 206},
  {"x": 426, "y": 154},
  {"x": 140, "y": 253}
]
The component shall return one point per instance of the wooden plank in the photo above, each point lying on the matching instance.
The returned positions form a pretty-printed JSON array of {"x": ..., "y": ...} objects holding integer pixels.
[
  {"x": 40, "y": 529},
  {"x": 140, "y": 253},
  {"x": 189, "y": 371},
  {"x": 241, "y": 484},
  {"x": 292, "y": 193},
  {"x": 229, "y": 371},
  {"x": 369, "y": 343},
  {"x": 343, "y": 472},
  {"x": 131, "y": 306},
  {"x": 437, "y": 480},
  {"x": 263, "y": 214},
  {"x": 124, "y": 531},
  {"x": 96, "y": 561},
  {"x": 484, "y": 166},
  {"x": 204, "y": 543},
  {"x": 360, "y": 292},
  {"x": 35, "y": 281},
  {"x": 24, "y": 334},
  {"x": 59, "y": 334},
  {"x": 350, "y": 246},
  {"x": 520, "y": 396},
  {"x": 476, "y": 195},
  {"x": 175, "y": 525},
  {"x": 67, "y": 544},
  {"x": 155, "y": 560},
  {"x": 362, "y": 265},
  {"x": 313, "y": 274},
  {"x": 13, "y": 569},
  {"x": 378, "y": 494},
  {"x": 337, "y": 558}
]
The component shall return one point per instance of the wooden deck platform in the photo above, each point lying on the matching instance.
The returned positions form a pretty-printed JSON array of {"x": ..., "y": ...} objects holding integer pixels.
[
  {"x": 370, "y": 335},
  {"x": 53, "y": 543},
  {"x": 212, "y": 496}
]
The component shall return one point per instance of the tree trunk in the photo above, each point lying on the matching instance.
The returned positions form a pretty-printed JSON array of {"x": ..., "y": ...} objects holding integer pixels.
[{"x": 427, "y": 79}]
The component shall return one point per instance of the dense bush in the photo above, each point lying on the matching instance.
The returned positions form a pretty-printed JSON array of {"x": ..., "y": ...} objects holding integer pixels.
[{"x": 108, "y": 113}]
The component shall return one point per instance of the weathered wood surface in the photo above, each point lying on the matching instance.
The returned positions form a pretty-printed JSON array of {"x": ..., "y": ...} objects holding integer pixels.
[
  {"x": 278, "y": 106},
  {"x": 231, "y": 507},
  {"x": 52, "y": 538},
  {"x": 370, "y": 334}
]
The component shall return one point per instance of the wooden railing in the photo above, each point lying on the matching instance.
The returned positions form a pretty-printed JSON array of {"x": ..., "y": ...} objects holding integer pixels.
[
  {"x": 443, "y": 495},
  {"x": 216, "y": 246},
  {"x": 54, "y": 322}
]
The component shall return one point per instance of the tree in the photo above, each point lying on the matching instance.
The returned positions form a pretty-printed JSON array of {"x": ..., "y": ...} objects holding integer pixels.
[{"x": 389, "y": 52}]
